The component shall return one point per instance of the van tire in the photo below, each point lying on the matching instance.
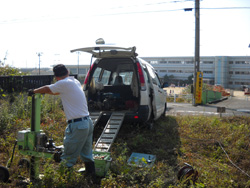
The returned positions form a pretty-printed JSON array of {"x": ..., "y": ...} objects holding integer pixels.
[
  {"x": 165, "y": 109},
  {"x": 150, "y": 124}
]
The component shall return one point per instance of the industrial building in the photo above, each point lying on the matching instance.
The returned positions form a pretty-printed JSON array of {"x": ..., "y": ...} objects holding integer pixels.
[{"x": 228, "y": 71}]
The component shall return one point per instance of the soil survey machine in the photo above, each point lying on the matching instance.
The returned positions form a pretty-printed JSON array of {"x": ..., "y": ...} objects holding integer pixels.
[{"x": 34, "y": 143}]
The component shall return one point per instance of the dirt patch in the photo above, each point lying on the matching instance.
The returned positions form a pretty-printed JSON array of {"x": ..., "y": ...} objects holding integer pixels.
[
  {"x": 238, "y": 93},
  {"x": 174, "y": 90}
]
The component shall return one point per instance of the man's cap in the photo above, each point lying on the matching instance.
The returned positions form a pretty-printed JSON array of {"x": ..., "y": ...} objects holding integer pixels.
[{"x": 60, "y": 70}]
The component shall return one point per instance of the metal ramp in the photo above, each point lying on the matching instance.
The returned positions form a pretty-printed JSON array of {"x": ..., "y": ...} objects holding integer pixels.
[
  {"x": 110, "y": 132},
  {"x": 95, "y": 116}
]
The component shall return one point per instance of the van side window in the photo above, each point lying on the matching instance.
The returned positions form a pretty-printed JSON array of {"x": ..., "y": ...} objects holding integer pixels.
[
  {"x": 105, "y": 77},
  {"x": 158, "y": 80},
  {"x": 146, "y": 75},
  {"x": 126, "y": 77},
  {"x": 97, "y": 73},
  {"x": 101, "y": 75},
  {"x": 153, "y": 76}
]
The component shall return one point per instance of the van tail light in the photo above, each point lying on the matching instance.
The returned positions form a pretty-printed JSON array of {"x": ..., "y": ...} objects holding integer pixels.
[
  {"x": 87, "y": 78},
  {"x": 141, "y": 77}
]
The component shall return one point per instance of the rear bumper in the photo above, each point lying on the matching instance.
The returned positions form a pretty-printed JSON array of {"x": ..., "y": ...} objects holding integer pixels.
[{"x": 139, "y": 116}]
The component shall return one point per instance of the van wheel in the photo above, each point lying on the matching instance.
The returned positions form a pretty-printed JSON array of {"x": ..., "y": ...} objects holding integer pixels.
[
  {"x": 165, "y": 109},
  {"x": 150, "y": 124}
]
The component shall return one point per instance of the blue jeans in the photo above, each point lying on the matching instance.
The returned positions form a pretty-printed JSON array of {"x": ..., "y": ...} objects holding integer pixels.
[{"x": 77, "y": 141}]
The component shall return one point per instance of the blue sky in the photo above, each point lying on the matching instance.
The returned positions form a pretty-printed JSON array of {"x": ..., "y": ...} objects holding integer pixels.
[{"x": 155, "y": 27}]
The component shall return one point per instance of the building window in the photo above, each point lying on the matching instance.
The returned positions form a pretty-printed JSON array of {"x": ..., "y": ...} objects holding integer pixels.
[
  {"x": 163, "y": 62},
  {"x": 174, "y": 62},
  {"x": 163, "y": 71},
  {"x": 208, "y": 72},
  {"x": 82, "y": 71},
  {"x": 208, "y": 62},
  {"x": 242, "y": 83},
  {"x": 189, "y": 71},
  {"x": 239, "y": 62},
  {"x": 230, "y": 83},
  {"x": 176, "y": 71},
  {"x": 189, "y": 62},
  {"x": 73, "y": 70},
  {"x": 231, "y": 72},
  {"x": 242, "y": 72},
  {"x": 231, "y": 62},
  {"x": 153, "y": 62}
]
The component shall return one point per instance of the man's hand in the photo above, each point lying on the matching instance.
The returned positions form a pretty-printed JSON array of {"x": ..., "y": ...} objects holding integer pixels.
[{"x": 31, "y": 92}]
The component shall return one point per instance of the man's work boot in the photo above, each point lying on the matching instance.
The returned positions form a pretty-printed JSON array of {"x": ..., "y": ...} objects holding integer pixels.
[{"x": 90, "y": 170}]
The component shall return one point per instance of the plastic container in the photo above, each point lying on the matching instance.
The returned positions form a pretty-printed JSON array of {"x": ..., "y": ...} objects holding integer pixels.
[{"x": 102, "y": 162}]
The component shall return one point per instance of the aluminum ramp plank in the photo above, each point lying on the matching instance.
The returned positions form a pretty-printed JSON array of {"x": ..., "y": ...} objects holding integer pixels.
[
  {"x": 95, "y": 116},
  {"x": 110, "y": 132}
]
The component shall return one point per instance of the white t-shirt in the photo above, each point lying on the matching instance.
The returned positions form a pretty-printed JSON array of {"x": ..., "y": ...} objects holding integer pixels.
[{"x": 73, "y": 98}]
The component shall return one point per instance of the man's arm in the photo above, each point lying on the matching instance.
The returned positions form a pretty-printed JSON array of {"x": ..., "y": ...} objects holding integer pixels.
[{"x": 44, "y": 89}]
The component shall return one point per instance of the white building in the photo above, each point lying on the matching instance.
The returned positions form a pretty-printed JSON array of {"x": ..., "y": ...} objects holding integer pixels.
[
  {"x": 228, "y": 71},
  {"x": 80, "y": 70}
]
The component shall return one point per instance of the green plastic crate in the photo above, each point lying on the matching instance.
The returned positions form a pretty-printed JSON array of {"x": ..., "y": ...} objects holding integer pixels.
[{"x": 102, "y": 162}]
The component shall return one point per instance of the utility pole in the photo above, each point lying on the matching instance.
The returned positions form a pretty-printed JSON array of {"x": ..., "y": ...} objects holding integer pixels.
[
  {"x": 78, "y": 53},
  {"x": 197, "y": 47},
  {"x": 39, "y": 55}
]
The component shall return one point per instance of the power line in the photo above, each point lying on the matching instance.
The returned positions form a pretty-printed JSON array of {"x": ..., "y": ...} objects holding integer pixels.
[
  {"x": 25, "y": 20},
  {"x": 141, "y": 12},
  {"x": 227, "y": 8},
  {"x": 150, "y": 4},
  {"x": 183, "y": 9}
]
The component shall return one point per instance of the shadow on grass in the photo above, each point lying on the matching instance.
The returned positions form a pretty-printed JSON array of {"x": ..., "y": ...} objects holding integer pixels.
[{"x": 162, "y": 140}]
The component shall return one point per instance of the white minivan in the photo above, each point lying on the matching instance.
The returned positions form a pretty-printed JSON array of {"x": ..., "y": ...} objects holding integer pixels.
[{"x": 120, "y": 81}]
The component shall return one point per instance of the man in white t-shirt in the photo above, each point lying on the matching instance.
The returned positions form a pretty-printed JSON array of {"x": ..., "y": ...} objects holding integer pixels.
[{"x": 79, "y": 132}]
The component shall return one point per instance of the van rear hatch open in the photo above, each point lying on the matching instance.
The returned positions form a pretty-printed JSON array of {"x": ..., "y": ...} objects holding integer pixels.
[
  {"x": 103, "y": 51},
  {"x": 113, "y": 85}
]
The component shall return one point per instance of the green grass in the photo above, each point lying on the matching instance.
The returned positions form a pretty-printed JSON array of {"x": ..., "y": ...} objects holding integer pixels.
[{"x": 197, "y": 140}]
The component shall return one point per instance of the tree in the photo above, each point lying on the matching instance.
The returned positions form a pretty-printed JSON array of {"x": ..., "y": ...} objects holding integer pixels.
[
  {"x": 190, "y": 79},
  {"x": 6, "y": 70},
  {"x": 168, "y": 78}
]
